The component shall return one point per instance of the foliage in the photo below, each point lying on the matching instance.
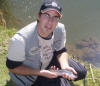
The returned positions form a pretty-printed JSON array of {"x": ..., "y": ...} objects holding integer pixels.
[
  {"x": 5, "y": 35},
  {"x": 10, "y": 19},
  {"x": 4, "y": 5},
  {"x": 89, "y": 80}
]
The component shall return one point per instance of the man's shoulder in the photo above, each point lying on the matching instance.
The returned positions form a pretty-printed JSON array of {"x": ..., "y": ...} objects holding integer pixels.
[
  {"x": 31, "y": 25},
  {"x": 28, "y": 28},
  {"x": 60, "y": 27}
]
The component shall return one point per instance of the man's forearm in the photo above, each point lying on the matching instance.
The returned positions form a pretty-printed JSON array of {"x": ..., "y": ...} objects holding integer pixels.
[
  {"x": 24, "y": 70},
  {"x": 63, "y": 60}
]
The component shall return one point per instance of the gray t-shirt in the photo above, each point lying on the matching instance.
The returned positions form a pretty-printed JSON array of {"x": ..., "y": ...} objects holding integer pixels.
[{"x": 35, "y": 52}]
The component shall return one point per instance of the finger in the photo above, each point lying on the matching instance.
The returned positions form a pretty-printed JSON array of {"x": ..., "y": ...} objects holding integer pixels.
[
  {"x": 67, "y": 77},
  {"x": 51, "y": 68},
  {"x": 57, "y": 68},
  {"x": 74, "y": 71},
  {"x": 54, "y": 67}
]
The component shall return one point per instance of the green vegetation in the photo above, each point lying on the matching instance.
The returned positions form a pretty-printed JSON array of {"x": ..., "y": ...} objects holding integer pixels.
[
  {"x": 7, "y": 15},
  {"x": 90, "y": 80},
  {"x": 6, "y": 34}
]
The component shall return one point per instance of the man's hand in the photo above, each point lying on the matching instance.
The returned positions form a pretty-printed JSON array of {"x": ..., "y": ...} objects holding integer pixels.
[
  {"x": 63, "y": 60},
  {"x": 52, "y": 68},
  {"x": 69, "y": 69}
]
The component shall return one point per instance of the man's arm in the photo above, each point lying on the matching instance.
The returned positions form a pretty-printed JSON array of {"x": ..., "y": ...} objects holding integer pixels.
[
  {"x": 63, "y": 60},
  {"x": 23, "y": 70},
  {"x": 20, "y": 69}
]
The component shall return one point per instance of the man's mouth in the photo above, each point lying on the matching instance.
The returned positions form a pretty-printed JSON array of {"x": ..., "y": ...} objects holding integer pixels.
[{"x": 48, "y": 27}]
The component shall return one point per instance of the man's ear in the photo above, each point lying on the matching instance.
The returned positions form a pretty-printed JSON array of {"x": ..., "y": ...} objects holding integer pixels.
[{"x": 38, "y": 17}]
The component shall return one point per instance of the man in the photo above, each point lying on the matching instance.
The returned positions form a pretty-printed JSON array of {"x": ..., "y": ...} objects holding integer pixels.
[{"x": 39, "y": 48}]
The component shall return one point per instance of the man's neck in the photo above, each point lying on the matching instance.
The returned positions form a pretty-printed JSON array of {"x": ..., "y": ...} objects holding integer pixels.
[{"x": 45, "y": 36}]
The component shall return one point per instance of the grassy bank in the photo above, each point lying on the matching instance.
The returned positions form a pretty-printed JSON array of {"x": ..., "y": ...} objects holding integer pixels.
[{"x": 6, "y": 34}]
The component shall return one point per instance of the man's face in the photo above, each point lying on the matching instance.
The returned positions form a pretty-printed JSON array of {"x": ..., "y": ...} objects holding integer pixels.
[{"x": 48, "y": 21}]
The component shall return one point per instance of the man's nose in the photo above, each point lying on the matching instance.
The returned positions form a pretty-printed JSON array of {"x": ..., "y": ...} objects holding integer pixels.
[{"x": 50, "y": 20}]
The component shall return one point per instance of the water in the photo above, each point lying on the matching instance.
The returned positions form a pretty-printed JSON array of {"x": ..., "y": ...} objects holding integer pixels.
[
  {"x": 81, "y": 17},
  {"x": 25, "y": 10}
]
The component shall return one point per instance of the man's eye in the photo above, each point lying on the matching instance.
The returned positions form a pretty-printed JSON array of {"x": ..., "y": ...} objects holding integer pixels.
[
  {"x": 56, "y": 18},
  {"x": 46, "y": 15}
]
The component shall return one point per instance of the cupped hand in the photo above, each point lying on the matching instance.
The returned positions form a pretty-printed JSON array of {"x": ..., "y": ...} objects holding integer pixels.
[{"x": 69, "y": 69}]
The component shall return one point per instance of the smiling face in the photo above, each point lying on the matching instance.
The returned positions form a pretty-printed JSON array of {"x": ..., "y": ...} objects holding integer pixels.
[{"x": 47, "y": 22}]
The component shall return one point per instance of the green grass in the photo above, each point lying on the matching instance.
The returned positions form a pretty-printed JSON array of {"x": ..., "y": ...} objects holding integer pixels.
[
  {"x": 89, "y": 80},
  {"x": 5, "y": 35}
]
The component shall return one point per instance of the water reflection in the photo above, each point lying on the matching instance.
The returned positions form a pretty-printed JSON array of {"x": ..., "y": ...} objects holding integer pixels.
[{"x": 87, "y": 49}]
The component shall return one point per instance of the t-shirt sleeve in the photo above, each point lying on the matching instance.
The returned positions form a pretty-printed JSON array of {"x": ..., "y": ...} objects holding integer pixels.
[
  {"x": 12, "y": 64},
  {"x": 60, "y": 40},
  {"x": 63, "y": 39},
  {"x": 16, "y": 51}
]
